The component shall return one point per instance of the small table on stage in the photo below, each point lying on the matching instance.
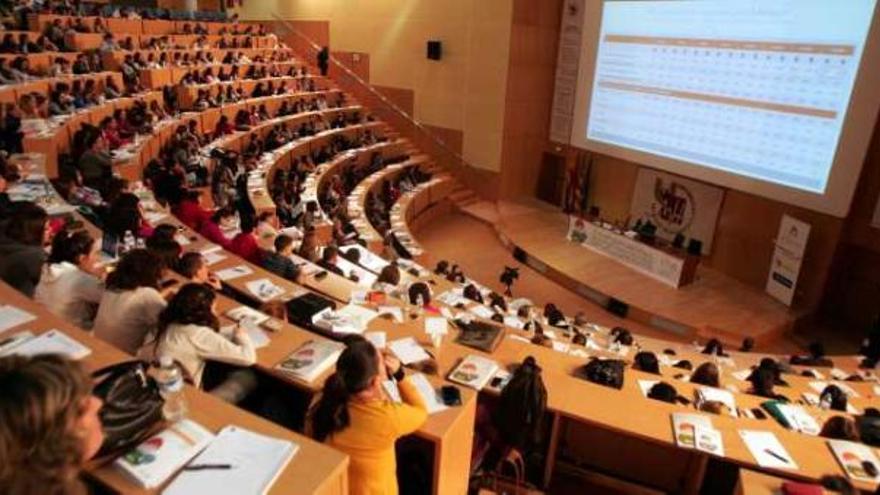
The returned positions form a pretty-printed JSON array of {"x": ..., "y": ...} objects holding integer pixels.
[{"x": 673, "y": 267}]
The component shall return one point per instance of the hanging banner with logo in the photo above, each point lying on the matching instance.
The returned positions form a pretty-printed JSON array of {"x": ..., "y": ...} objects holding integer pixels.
[
  {"x": 791, "y": 243},
  {"x": 677, "y": 206}
]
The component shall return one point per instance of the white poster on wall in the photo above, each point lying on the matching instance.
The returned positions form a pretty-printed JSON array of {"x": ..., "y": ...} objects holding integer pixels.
[
  {"x": 791, "y": 243},
  {"x": 677, "y": 206},
  {"x": 567, "y": 64}
]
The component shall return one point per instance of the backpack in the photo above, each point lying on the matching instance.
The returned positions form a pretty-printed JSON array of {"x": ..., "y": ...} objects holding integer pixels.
[
  {"x": 521, "y": 406},
  {"x": 607, "y": 372}
]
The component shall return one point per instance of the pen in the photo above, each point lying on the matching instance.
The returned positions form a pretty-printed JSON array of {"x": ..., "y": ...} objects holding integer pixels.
[
  {"x": 202, "y": 467},
  {"x": 774, "y": 454}
]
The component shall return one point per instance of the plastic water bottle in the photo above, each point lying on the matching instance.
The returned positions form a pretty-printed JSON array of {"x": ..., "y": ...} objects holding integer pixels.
[
  {"x": 128, "y": 242},
  {"x": 170, "y": 382}
]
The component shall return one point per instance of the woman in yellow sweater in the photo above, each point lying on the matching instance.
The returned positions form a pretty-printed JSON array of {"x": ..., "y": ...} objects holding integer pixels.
[{"x": 355, "y": 416}]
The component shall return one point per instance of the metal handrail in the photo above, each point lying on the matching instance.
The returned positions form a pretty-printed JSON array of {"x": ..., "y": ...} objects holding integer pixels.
[{"x": 378, "y": 95}]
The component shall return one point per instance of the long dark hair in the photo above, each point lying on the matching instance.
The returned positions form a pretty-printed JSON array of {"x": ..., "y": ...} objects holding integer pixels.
[
  {"x": 357, "y": 366},
  {"x": 27, "y": 223},
  {"x": 68, "y": 246},
  {"x": 191, "y": 305},
  {"x": 137, "y": 268},
  {"x": 521, "y": 406},
  {"x": 124, "y": 215}
]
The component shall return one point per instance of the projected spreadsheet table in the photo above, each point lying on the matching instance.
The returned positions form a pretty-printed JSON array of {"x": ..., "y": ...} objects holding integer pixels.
[{"x": 762, "y": 109}]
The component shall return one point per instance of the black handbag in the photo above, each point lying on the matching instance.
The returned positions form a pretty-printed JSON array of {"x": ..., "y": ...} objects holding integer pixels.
[
  {"x": 132, "y": 405},
  {"x": 607, "y": 372}
]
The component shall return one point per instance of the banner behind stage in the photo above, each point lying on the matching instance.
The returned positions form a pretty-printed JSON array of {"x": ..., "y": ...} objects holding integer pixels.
[{"x": 677, "y": 206}]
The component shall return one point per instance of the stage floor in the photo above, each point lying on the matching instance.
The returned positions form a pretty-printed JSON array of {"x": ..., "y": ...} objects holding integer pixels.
[{"x": 714, "y": 304}]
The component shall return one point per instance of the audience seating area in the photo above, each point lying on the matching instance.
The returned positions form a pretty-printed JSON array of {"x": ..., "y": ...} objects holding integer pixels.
[{"x": 284, "y": 151}]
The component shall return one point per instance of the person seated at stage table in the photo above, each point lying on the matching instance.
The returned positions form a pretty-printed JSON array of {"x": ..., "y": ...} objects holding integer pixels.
[
  {"x": 194, "y": 267},
  {"x": 706, "y": 374},
  {"x": 279, "y": 261},
  {"x": 329, "y": 258},
  {"x": 354, "y": 416},
  {"x": 49, "y": 424},
  {"x": 646, "y": 361},
  {"x": 132, "y": 301},
  {"x": 21, "y": 246},
  {"x": 188, "y": 331},
  {"x": 212, "y": 229},
  {"x": 816, "y": 357},
  {"x": 71, "y": 284}
]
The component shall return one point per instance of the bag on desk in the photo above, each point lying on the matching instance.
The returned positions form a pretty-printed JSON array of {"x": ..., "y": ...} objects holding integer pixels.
[
  {"x": 607, "y": 372},
  {"x": 132, "y": 404}
]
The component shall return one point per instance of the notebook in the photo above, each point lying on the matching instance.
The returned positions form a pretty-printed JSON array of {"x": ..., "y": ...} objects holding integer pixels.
[
  {"x": 255, "y": 462},
  {"x": 246, "y": 313},
  {"x": 158, "y": 458},
  {"x": 12, "y": 316},
  {"x": 766, "y": 449},
  {"x": 51, "y": 342},
  {"x": 429, "y": 394},
  {"x": 408, "y": 351},
  {"x": 851, "y": 456},
  {"x": 695, "y": 431},
  {"x": 312, "y": 359},
  {"x": 474, "y": 371}
]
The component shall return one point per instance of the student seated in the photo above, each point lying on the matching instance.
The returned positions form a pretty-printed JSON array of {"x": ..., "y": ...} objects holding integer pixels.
[
  {"x": 70, "y": 284},
  {"x": 190, "y": 211},
  {"x": 21, "y": 246},
  {"x": 193, "y": 266},
  {"x": 647, "y": 362},
  {"x": 706, "y": 374},
  {"x": 189, "y": 332},
  {"x": 355, "y": 416},
  {"x": 816, "y": 357},
  {"x": 388, "y": 281},
  {"x": 419, "y": 293},
  {"x": 130, "y": 307},
  {"x": 49, "y": 424},
  {"x": 125, "y": 215},
  {"x": 279, "y": 261},
  {"x": 328, "y": 261}
]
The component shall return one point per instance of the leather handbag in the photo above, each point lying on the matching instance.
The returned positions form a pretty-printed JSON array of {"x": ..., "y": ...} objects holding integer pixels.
[{"x": 132, "y": 404}]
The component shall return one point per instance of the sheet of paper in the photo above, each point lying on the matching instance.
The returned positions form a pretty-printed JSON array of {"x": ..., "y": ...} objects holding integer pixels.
[
  {"x": 766, "y": 449},
  {"x": 482, "y": 311},
  {"x": 213, "y": 257},
  {"x": 51, "y": 342},
  {"x": 12, "y": 316},
  {"x": 741, "y": 375},
  {"x": 264, "y": 289},
  {"x": 394, "y": 311},
  {"x": 428, "y": 393},
  {"x": 408, "y": 351},
  {"x": 645, "y": 386},
  {"x": 436, "y": 326},
  {"x": 234, "y": 272},
  {"x": 376, "y": 338},
  {"x": 392, "y": 391}
]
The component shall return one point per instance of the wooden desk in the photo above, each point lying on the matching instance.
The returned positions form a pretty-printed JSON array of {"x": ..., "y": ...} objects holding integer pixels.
[{"x": 314, "y": 469}]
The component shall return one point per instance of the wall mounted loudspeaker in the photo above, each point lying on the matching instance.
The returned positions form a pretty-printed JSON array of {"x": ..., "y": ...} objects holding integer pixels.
[{"x": 435, "y": 50}]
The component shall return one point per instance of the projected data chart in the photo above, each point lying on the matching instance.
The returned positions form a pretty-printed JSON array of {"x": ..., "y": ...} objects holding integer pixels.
[{"x": 763, "y": 109}]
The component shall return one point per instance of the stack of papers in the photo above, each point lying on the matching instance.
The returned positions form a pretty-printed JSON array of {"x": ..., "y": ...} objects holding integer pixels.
[{"x": 254, "y": 461}]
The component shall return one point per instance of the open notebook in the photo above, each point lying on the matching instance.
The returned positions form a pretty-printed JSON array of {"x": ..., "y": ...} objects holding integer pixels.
[{"x": 255, "y": 462}]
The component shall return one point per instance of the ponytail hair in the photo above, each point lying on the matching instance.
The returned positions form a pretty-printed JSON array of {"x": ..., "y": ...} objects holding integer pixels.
[
  {"x": 68, "y": 246},
  {"x": 357, "y": 366}
]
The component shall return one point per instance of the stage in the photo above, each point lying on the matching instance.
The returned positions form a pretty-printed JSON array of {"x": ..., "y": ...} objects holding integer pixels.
[{"x": 714, "y": 305}]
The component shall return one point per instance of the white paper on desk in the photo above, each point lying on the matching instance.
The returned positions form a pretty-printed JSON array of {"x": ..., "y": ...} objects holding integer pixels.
[
  {"x": 234, "y": 272},
  {"x": 514, "y": 322},
  {"x": 376, "y": 338},
  {"x": 709, "y": 440},
  {"x": 838, "y": 374},
  {"x": 550, "y": 334},
  {"x": 446, "y": 313},
  {"x": 213, "y": 248},
  {"x": 518, "y": 337},
  {"x": 264, "y": 289},
  {"x": 851, "y": 455},
  {"x": 214, "y": 257},
  {"x": 358, "y": 296},
  {"x": 256, "y": 462},
  {"x": 482, "y": 311},
  {"x": 741, "y": 375},
  {"x": 408, "y": 351},
  {"x": 766, "y": 449},
  {"x": 428, "y": 392},
  {"x": 246, "y": 313},
  {"x": 12, "y": 316},
  {"x": 392, "y": 391},
  {"x": 395, "y": 311},
  {"x": 51, "y": 342},
  {"x": 646, "y": 385},
  {"x": 580, "y": 353},
  {"x": 436, "y": 326},
  {"x": 819, "y": 386},
  {"x": 560, "y": 346},
  {"x": 258, "y": 336},
  {"x": 182, "y": 239}
]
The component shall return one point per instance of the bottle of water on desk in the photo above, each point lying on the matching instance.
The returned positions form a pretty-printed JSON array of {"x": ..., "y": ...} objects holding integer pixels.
[{"x": 170, "y": 382}]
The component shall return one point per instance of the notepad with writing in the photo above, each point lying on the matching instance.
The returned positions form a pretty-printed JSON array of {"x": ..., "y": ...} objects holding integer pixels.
[
  {"x": 474, "y": 371},
  {"x": 254, "y": 461}
]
